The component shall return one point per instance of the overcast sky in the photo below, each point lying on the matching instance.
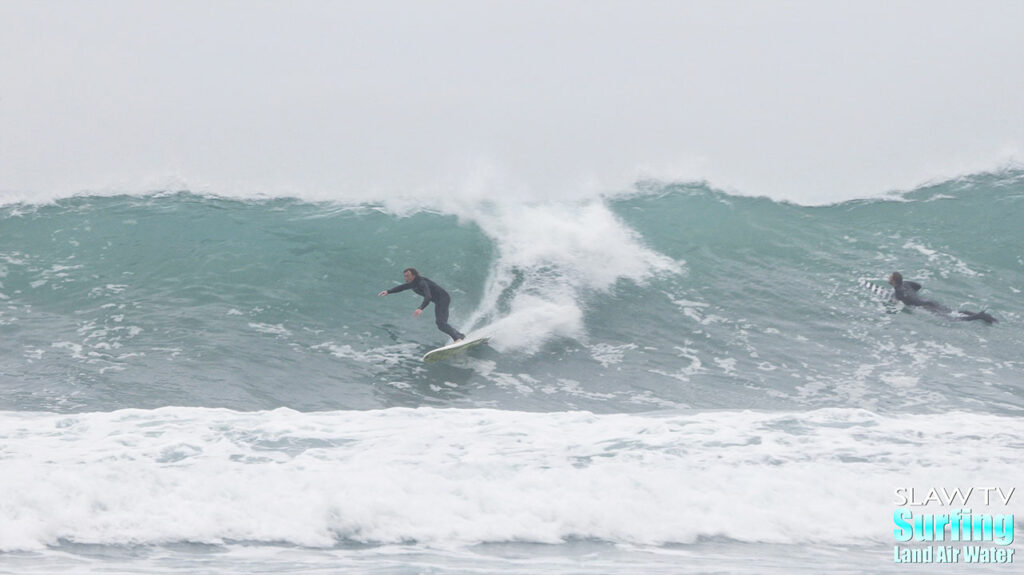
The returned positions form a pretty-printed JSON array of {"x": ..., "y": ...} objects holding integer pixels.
[{"x": 806, "y": 101}]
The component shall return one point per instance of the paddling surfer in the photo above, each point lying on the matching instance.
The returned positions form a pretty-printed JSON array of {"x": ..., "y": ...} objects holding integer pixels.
[
  {"x": 906, "y": 292},
  {"x": 431, "y": 292}
]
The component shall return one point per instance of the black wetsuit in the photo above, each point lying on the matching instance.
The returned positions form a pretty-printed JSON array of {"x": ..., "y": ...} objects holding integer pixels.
[
  {"x": 432, "y": 292},
  {"x": 906, "y": 292}
]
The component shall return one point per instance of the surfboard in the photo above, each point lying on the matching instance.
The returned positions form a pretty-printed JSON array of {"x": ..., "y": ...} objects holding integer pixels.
[
  {"x": 452, "y": 349},
  {"x": 881, "y": 292}
]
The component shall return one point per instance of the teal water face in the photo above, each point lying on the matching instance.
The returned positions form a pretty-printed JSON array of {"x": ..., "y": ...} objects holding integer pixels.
[
  {"x": 678, "y": 296},
  {"x": 772, "y": 294},
  {"x": 183, "y": 300}
]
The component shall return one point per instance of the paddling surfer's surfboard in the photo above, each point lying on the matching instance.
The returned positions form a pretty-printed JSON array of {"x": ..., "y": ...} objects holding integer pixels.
[{"x": 881, "y": 292}]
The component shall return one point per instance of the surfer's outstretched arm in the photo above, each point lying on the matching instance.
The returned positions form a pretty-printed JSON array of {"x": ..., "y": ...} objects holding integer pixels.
[{"x": 395, "y": 289}]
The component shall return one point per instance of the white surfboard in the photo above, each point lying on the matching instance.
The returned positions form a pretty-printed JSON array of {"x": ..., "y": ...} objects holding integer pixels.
[
  {"x": 881, "y": 292},
  {"x": 452, "y": 349}
]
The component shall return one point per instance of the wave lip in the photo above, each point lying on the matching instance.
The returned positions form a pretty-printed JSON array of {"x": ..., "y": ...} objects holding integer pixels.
[{"x": 550, "y": 259}]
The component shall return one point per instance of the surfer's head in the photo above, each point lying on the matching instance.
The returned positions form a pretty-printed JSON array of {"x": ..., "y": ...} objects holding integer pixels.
[
  {"x": 896, "y": 279},
  {"x": 410, "y": 274}
]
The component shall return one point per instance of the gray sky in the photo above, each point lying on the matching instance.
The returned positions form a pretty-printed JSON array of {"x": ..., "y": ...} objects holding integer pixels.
[{"x": 806, "y": 101}]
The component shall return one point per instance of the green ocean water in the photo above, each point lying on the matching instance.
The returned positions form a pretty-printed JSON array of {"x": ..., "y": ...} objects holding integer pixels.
[{"x": 672, "y": 296}]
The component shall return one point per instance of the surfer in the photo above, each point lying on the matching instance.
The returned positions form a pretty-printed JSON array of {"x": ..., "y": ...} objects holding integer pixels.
[
  {"x": 906, "y": 292},
  {"x": 431, "y": 292}
]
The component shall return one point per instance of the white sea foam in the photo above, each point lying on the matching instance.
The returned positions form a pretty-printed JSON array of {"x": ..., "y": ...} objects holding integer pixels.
[
  {"x": 551, "y": 256},
  {"x": 608, "y": 354},
  {"x": 271, "y": 329},
  {"x": 457, "y": 477},
  {"x": 385, "y": 356},
  {"x": 946, "y": 263}
]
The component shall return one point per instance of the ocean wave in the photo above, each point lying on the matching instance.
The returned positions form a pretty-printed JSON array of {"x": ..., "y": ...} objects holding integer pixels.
[{"x": 709, "y": 300}]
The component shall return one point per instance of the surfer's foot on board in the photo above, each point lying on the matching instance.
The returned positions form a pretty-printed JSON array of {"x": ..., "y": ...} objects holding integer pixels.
[{"x": 460, "y": 340}]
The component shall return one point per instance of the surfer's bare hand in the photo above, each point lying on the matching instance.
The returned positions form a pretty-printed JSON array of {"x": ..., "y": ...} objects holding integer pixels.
[
  {"x": 383, "y": 293},
  {"x": 417, "y": 312}
]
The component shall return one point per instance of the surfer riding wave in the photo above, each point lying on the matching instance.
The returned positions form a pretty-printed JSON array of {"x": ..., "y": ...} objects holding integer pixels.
[{"x": 432, "y": 293}]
